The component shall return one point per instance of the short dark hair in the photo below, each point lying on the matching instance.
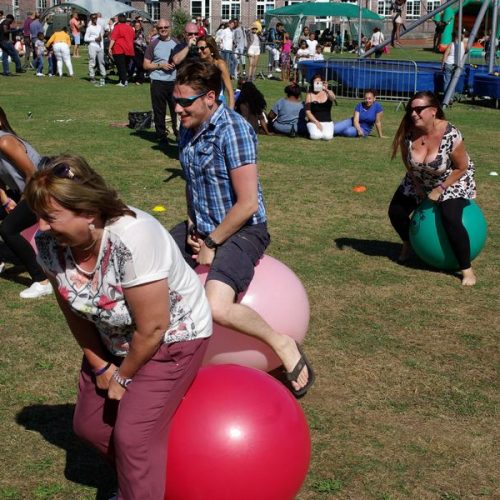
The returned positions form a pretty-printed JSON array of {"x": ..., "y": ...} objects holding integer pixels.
[
  {"x": 292, "y": 90},
  {"x": 201, "y": 76}
]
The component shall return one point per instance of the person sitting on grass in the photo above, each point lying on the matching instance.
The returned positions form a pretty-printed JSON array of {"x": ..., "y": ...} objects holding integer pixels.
[
  {"x": 251, "y": 104},
  {"x": 286, "y": 113},
  {"x": 366, "y": 114},
  {"x": 318, "y": 109}
]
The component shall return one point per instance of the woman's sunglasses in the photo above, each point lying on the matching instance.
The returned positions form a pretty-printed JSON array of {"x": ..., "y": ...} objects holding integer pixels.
[
  {"x": 185, "y": 102},
  {"x": 63, "y": 171},
  {"x": 418, "y": 109},
  {"x": 202, "y": 47}
]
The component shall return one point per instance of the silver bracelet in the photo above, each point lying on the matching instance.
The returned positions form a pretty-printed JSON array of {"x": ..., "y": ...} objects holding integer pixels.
[{"x": 124, "y": 382}]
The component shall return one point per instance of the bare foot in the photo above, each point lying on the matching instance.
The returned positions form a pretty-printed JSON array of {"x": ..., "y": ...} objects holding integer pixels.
[
  {"x": 468, "y": 277},
  {"x": 405, "y": 252},
  {"x": 290, "y": 356}
]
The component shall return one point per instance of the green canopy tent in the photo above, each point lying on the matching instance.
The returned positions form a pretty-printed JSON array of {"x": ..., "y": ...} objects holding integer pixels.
[{"x": 294, "y": 16}]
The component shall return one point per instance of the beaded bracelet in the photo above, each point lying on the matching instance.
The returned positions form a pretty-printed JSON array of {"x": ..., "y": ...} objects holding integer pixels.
[
  {"x": 7, "y": 203},
  {"x": 102, "y": 370},
  {"x": 442, "y": 186}
]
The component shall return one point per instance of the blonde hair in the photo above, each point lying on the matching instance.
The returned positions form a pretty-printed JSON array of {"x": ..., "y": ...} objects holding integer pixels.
[{"x": 71, "y": 182}]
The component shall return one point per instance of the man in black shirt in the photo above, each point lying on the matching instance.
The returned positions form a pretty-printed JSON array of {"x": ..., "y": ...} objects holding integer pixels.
[{"x": 7, "y": 46}]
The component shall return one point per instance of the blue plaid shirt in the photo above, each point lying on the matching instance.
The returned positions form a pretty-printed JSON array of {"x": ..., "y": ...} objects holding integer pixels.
[{"x": 207, "y": 155}]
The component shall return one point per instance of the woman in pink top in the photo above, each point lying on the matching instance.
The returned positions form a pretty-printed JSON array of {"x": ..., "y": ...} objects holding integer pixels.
[
  {"x": 121, "y": 47},
  {"x": 74, "y": 25}
]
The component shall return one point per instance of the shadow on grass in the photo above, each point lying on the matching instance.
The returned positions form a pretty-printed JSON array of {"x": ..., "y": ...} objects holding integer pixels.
[
  {"x": 83, "y": 464},
  {"x": 170, "y": 149},
  {"x": 12, "y": 273},
  {"x": 174, "y": 173},
  {"x": 389, "y": 249}
]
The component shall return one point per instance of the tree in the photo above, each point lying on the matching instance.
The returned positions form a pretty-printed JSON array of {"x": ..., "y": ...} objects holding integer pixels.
[{"x": 179, "y": 20}]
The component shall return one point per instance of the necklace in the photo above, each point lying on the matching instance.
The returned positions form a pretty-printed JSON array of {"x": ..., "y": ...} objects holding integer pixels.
[{"x": 89, "y": 247}]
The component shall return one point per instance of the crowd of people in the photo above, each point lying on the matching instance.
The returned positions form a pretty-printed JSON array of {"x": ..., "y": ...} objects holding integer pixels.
[{"x": 125, "y": 285}]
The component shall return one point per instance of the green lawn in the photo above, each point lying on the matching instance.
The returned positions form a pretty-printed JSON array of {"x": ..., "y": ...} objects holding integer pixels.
[{"x": 406, "y": 399}]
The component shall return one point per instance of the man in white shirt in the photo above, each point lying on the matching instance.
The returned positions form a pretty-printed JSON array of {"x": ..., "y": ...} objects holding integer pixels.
[
  {"x": 94, "y": 37},
  {"x": 227, "y": 46}
]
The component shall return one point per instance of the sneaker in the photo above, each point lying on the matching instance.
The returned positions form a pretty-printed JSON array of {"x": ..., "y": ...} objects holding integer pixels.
[
  {"x": 40, "y": 74},
  {"x": 278, "y": 70},
  {"x": 36, "y": 290},
  {"x": 270, "y": 75},
  {"x": 20, "y": 70},
  {"x": 93, "y": 80},
  {"x": 2, "y": 267},
  {"x": 120, "y": 84}
]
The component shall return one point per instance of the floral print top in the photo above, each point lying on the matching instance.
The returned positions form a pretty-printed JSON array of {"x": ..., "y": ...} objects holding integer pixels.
[
  {"x": 133, "y": 251},
  {"x": 433, "y": 173}
]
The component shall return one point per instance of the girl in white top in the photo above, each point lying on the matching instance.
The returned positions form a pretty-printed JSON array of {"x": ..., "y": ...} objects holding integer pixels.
[{"x": 253, "y": 52}]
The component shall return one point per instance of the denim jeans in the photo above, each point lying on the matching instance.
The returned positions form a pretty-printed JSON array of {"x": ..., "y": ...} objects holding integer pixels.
[
  {"x": 9, "y": 50},
  {"x": 38, "y": 62},
  {"x": 228, "y": 57}
]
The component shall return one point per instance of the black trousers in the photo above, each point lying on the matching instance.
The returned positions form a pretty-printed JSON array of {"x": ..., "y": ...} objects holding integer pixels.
[
  {"x": 402, "y": 206},
  {"x": 10, "y": 230},
  {"x": 161, "y": 97},
  {"x": 122, "y": 61}
]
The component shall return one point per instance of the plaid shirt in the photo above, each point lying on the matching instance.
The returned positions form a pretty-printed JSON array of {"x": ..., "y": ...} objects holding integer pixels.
[{"x": 207, "y": 156}]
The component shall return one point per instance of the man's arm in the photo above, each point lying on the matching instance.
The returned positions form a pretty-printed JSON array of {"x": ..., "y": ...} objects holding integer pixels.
[{"x": 245, "y": 181}]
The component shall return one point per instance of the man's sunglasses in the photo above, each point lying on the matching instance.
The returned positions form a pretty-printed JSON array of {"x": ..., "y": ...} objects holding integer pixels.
[
  {"x": 185, "y": 102},
  {"x": 418, "y": 109},
  {"x": 163, "y": 27},
  {"x": 191, "y": 34}
]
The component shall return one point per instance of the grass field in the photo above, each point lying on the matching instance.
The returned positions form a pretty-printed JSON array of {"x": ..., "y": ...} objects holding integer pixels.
[{"x": 406, "y": 399}]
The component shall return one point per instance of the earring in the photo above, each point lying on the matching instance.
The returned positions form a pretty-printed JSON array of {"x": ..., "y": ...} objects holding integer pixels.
[{"x": 91, "y": 227}]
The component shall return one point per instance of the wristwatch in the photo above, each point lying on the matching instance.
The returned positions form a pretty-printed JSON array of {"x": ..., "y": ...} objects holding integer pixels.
[
  {"x": 210, "y": 243},
  {"x": 124, "y": 382}
]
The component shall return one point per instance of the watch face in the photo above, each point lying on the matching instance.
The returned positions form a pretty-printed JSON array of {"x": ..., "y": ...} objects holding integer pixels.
[{"x": 210, "y": 243}]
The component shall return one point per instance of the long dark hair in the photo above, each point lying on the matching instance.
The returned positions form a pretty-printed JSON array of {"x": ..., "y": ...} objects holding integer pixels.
[
  {"x": 406, "y": 124},
  {"x": 4, "y": 123},
  {"x": 253, "y": 97},
  {"x": 212, "y": 45}
]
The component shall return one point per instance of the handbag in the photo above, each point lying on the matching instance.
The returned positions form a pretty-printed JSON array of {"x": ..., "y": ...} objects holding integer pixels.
[{"x": 140, "y": 120}]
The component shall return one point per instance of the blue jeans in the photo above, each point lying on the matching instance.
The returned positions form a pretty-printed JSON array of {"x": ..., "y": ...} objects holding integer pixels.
[
  {"x": 38, "y": 64},
  {"x": 51, "y": 60},
  {"x": 9, "y": 50},
  {"x": 228, "y": 57},
  {"x": 448, "y": 72}
]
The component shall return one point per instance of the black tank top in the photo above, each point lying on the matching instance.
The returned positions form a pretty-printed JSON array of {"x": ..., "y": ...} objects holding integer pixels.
[{"x": 322, "y": 111}]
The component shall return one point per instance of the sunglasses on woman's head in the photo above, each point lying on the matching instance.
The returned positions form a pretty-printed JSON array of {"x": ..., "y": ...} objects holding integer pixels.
[
  {"x": 185, "y": 102},
  {"x": 63, "y": 171}
]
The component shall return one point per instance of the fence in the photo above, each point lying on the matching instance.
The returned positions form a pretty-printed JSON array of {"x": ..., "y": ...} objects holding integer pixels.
[{"x": 390, "y": 80}]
